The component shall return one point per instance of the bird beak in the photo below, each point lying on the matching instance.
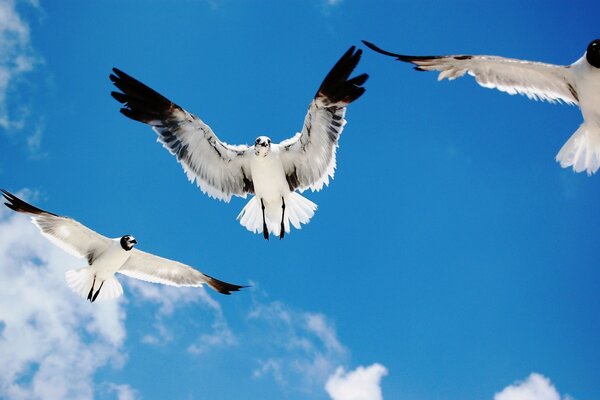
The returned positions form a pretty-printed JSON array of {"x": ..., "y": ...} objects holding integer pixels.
[{"x": 133, "y": 241}]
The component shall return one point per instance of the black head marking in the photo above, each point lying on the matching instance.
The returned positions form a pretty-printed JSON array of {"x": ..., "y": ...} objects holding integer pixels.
[
  {"x": 127, "y": 242},
  {"x": 593, "y": 53}
]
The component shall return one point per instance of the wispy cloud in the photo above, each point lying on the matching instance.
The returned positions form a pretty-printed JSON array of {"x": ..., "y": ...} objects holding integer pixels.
[
  {"x": 301, "y": 348},
  {"x": 51, "y": 343},
  {"x": 169, "y": 299},
  {"x": 535, "y": 387},
  {"x": 360, "y": 384},
  {"x": 17, "y": 57},
  {"x": 34, "y": 141}
]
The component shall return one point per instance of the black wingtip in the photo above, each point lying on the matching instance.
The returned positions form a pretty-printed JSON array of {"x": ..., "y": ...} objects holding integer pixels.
[
  {"x": 399, "y": 57},
  {"x": 338, "y": 87},
  {"x": 18, "y": 205},
  {"x": 224, "y": 287},
  {"x": 141, "y": 103},
  {"x": 379, "y": 50}
]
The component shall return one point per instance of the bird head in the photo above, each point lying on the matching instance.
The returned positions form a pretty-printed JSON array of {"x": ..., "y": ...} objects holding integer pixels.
[
  {"x": 262, "y": 146},
  {"x": 127, "y": 242},
  {"x": 593, "y": 53}
]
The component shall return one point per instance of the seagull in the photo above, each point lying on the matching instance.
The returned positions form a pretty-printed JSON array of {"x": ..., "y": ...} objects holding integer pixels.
[
  {"x": 107, "y": 256},
  {"x": 575, "y": 84},
  {"x": 272, "y": 172}
]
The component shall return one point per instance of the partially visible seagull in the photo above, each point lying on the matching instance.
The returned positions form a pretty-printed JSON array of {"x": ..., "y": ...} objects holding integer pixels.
[
  {"x": 271, "y": 171},
  {"x": 578, "y": 83},
  {"x": 107, "y": 256}
]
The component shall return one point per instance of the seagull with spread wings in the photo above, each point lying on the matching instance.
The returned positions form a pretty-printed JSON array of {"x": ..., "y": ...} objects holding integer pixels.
[
  {"x": 576, "y": 84},
  {"x": 107, "y": 256},
  {"x": 272, "y": 172}
]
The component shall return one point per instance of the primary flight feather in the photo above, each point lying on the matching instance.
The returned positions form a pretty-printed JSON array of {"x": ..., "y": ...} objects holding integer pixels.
[
  {"x": 106, "y": 257},
  {"x": 577, "y": 84},
  {"x": 272, "y": 172}
]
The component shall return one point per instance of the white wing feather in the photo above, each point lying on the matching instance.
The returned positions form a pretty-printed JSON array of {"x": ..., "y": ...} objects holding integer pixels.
[
  {"x": 309, "y": 157},
  {"x": 536, "y": 80},
  {"x": 151, "y": 268},
  {"x": 219, "y": 169},
  {"x": 66, "y": 233}
]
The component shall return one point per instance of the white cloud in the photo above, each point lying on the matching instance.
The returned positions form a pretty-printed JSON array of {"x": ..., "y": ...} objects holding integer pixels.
[
  {"x": 535, "y": 387},
  {"x": 360, "y": 384},
  {"x": 51, "y": 342},
  {"x": 299, "y": 347},
  {"x": 17, "y": 57},
  {"x": 123, "y": 392}
]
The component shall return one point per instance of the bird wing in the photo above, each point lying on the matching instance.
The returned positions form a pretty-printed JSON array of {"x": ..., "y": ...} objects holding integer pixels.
[
  {"x": 151, "y": 268},
  {"x": 64, "y": 232},
  {"x": 219, "y": 169},
  {"x": 536, "y": 80},
  {"x": 309, "y": 157}
]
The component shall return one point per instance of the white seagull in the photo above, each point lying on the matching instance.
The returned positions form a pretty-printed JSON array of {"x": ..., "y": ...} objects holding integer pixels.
[
  {"x": 107, "y": 256},
  {"x": 578, "y": 83},
  {"x": 271, "y": 171}
]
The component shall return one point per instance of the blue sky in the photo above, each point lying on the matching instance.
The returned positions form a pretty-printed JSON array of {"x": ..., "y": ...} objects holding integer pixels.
[{"x": 450, "y": 258}]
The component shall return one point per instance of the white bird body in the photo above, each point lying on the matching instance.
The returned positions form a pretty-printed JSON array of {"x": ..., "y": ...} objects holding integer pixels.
[
  {"x": 577, "y": 84},
  {"x": 271, "y": 187},
  {"x": 106, "y": 257},
  {"x": 107, "y": 264},
  {"x": 587, "y": 83},
  {"x": 582, "y": 150},
  {"x": 270, "y": 183},
  {"x": 272, "y": 172},
  {"x": 282, "y": 206}
]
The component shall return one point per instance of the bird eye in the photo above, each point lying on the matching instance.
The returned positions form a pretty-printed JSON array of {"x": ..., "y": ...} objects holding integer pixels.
[{"x": 257, "y": 141}]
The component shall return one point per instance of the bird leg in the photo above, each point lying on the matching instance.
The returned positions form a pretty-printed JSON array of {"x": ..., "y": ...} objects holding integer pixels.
[
  {"x": 89, "y": 296},
  {"x": 97, "y": 292},
  {"x": 282, "y": 230},
  {"x": 265, "y": 230}
]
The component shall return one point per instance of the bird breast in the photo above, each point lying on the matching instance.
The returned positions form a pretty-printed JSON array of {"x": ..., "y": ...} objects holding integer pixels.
[
  {"x": 588, "y": 91},
  {"x": 268, "y": 177},
  {"x": 110, "y": 261}
]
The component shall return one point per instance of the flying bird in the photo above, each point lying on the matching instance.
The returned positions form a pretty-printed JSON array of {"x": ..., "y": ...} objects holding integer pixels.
[
  {"x": 575, "y": 84},
  {"x": 272, "y": 172},
  {"x": 107, "y": 256}
]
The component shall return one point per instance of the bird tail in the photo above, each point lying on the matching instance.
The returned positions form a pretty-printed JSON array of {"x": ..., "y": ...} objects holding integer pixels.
[
  {"x": 83, "y": 282},
  {"x": 251, "y": 216},
  {"x": 298, "y": 210},
  {"x": 582, "y": 150}
]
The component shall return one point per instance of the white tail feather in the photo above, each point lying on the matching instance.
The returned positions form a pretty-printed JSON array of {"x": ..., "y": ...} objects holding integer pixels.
[
  {"x": 582, "y": 150},
  {"x": 298, "y": 210},
  {"x": 251, "y": 216},
  {"x": 81, "y": 280}
]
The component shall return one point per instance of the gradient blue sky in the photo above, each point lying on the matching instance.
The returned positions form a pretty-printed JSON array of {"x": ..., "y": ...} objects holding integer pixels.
[{"x": 450, "y": 250}]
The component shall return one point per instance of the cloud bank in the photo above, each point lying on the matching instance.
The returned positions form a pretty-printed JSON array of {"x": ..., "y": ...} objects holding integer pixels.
[{"x": 51, "y": 343}]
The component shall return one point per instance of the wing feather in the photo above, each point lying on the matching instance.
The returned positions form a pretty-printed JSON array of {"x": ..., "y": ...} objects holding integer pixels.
[
  {"x": 536, "y": 80},
  {"x": 151, "y": 268},
  {"x": 219, "y": 169},
  {"x": 68, "y": 234},
  {"x": 309, "y": 157}
]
